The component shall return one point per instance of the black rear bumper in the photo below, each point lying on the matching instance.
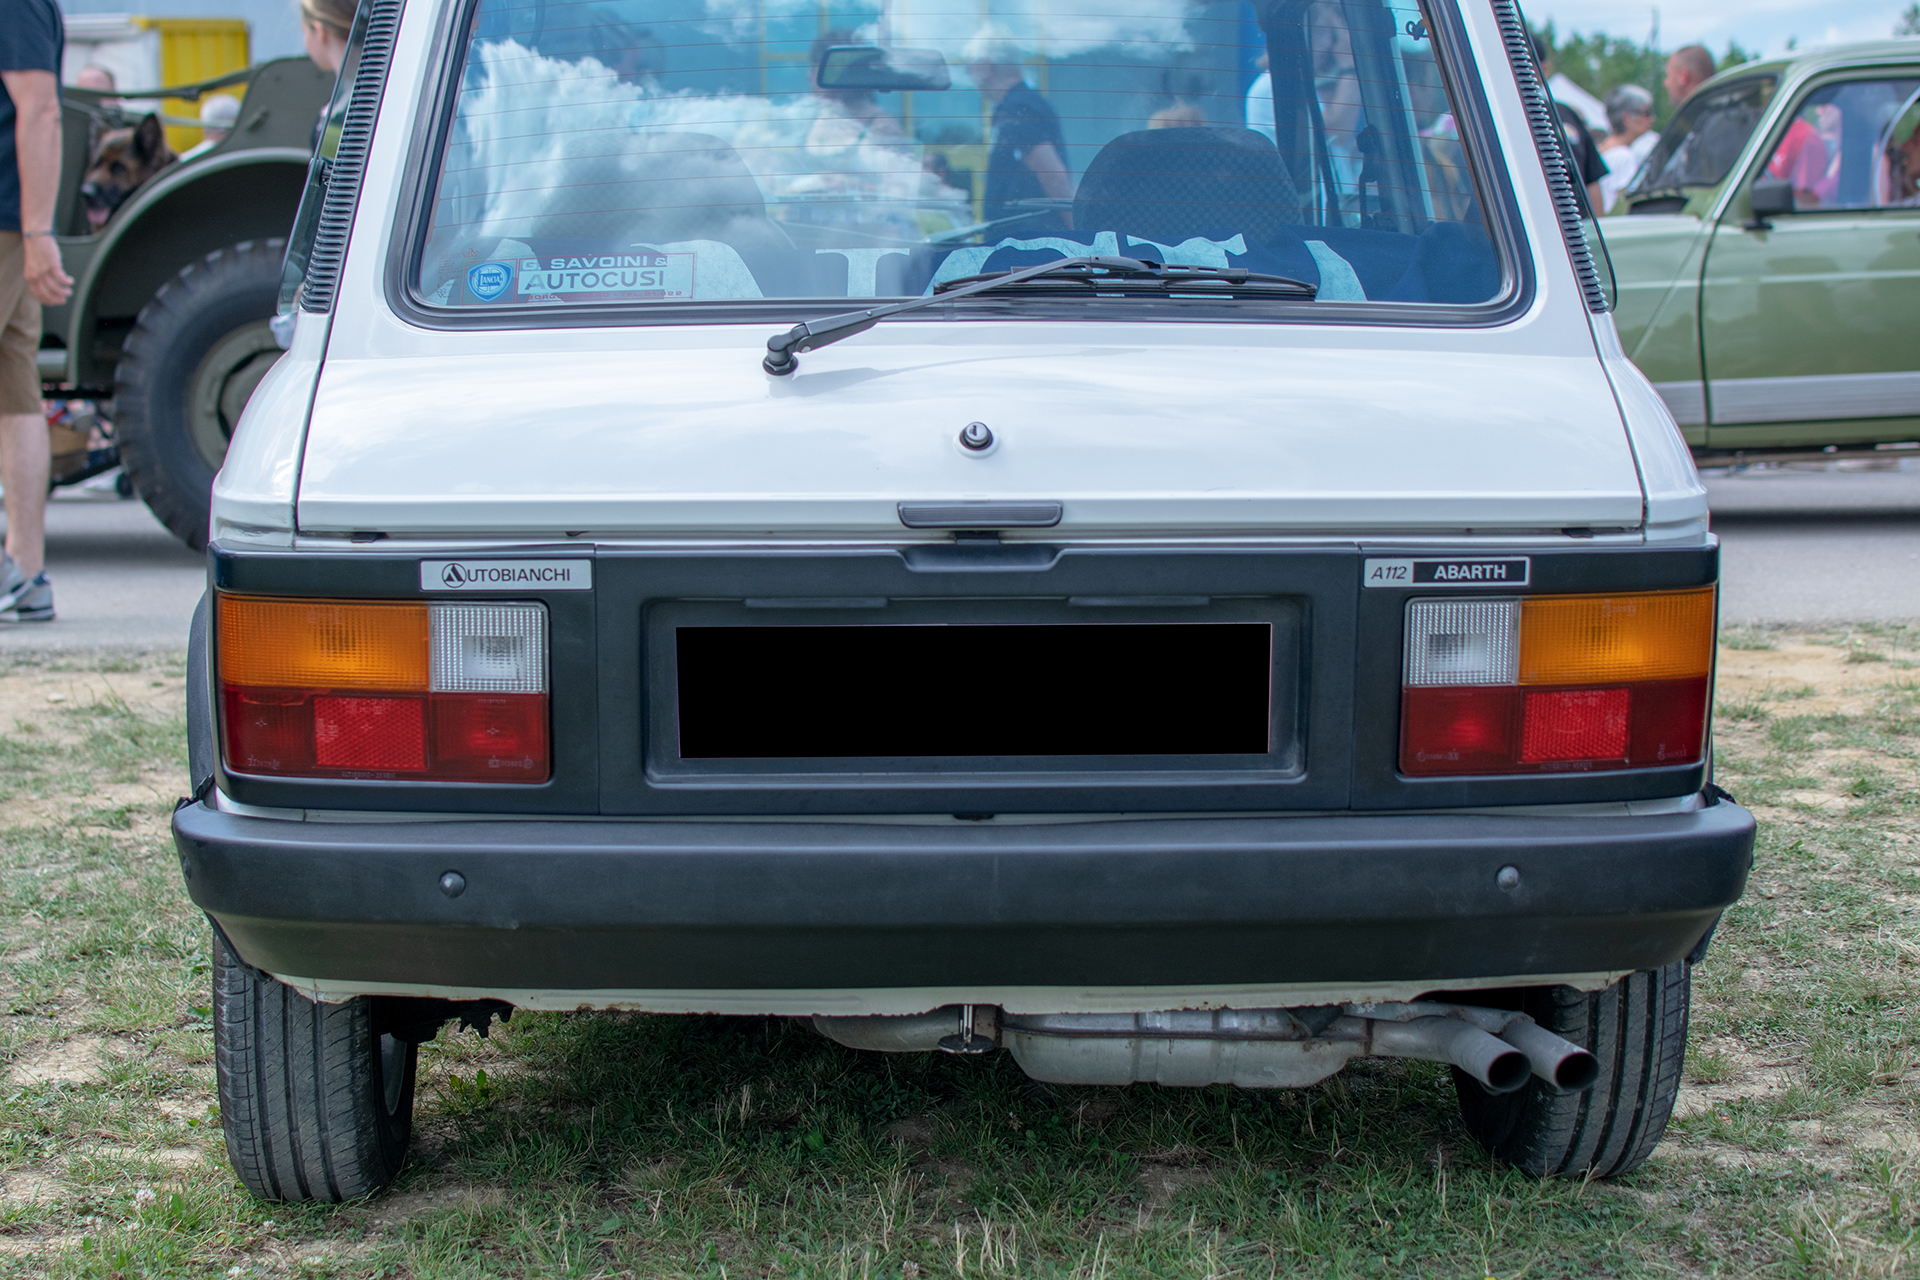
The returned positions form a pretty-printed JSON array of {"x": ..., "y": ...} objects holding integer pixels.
[{"x": 598, "y": 905}]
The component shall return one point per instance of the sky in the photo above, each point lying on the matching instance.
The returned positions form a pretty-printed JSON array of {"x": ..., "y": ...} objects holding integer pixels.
[{"x": 1762, "y": 26}]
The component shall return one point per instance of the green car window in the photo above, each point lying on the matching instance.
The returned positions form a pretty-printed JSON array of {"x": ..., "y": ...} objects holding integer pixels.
[
  {"x": 1899, "y": 157},
  {"x": 1706, "y": 136},
  {"x": 1850, "y": 145}
]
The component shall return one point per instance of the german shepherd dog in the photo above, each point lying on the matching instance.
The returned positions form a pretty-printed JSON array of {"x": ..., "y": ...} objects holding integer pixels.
[{"x": 122, "y": 160}]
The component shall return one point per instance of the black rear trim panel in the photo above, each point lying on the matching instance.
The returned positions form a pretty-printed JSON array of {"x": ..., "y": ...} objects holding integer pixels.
[{"x": 773, "y": 905}]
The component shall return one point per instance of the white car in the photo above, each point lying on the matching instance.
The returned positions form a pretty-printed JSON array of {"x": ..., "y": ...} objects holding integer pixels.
[{"x": 938, "y": 528}]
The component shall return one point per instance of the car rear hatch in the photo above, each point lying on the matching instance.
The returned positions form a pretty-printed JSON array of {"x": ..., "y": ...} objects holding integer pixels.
[{"x": 1153, "y": 429}]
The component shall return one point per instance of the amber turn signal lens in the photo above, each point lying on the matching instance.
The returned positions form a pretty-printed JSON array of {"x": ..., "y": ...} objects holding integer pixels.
[
  {"x": 1655, "y": 635},
  {"x": 323, "y": 644}
]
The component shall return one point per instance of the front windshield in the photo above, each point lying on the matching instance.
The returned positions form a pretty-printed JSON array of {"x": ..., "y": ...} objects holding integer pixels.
[
  {"x": 1706, "y": 136},
  {"x": 673, "y": 151}
]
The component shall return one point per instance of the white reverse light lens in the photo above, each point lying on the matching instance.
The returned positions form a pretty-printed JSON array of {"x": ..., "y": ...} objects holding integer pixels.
[
  {"x": 1463, "y": 642},
  {"x": 488, "y": 648}
]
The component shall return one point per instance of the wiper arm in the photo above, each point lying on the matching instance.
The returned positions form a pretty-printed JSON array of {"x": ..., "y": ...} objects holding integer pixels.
[
  {"x": 810, "y": 335},
  {"x": 1153, "y": 275},
  {"x": 1091, "y": 270}
]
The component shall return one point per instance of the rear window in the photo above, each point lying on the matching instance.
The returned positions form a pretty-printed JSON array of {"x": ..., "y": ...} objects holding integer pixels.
[{"x": 625, "y": 153}]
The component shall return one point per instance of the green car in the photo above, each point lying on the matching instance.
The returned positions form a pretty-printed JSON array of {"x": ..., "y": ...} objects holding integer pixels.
[{"x": 1768, "y": 259}]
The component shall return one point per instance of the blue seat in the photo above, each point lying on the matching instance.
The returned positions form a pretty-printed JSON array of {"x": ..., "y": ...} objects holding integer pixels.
[{"x": 1170, "y": 185}]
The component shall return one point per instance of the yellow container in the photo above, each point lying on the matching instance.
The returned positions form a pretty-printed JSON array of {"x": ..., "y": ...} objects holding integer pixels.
[{"x": 194, "y": 49}]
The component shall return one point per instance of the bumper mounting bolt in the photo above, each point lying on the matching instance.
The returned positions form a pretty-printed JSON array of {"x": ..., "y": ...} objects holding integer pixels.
[
  {"x": 453, "y": 884},
  {"x": 1508, "y": 878}
]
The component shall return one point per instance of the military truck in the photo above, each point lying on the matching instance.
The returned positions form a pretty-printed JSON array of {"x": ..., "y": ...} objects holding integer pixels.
[{"x": 168, "y": 324}]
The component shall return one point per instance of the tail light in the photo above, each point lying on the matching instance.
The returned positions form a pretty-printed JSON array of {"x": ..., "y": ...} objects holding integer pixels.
[
  {"x": 402, "y": 689},
  {"x": 1550, "y": 683}
]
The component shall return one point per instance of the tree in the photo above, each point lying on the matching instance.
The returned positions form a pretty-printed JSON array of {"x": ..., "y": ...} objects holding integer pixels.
[{"x": 1909, "y": 23}]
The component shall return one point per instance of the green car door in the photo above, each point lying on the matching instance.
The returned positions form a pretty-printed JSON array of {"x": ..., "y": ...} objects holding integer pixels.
[
  {"x": 1659, "y": 253},
  {"x": 1810, "y": 318}
]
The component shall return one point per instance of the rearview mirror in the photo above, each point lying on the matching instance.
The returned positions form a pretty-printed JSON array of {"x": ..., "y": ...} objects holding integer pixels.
[
  {"x": 874, "y": 69},
  {"x": 1771, "y": 197}
]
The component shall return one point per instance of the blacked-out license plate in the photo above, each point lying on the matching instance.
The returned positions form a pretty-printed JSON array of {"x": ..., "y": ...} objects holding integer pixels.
[{"x": 1094, "y": 689}]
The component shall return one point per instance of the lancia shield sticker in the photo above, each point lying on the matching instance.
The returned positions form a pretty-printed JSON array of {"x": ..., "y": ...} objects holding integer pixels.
[
  {"x": 1450, "y": 572},
  {"x": 488, "y": 280},
  {"x": 609, "y": 275},
  {"x": 506, "y": 575}
]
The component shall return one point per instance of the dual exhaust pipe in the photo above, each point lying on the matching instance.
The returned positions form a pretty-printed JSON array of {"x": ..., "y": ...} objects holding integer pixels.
[
  {"x": 1256, "y": 1048},
  {"x": 1501, "y": 1057}
]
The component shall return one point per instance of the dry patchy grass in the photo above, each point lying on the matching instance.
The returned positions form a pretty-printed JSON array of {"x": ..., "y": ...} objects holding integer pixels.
[{"x": 630, "y": 1145}]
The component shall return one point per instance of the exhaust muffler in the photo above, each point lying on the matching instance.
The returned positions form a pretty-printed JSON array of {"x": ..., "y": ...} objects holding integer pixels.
[{"x": 1252, "y": 1048}]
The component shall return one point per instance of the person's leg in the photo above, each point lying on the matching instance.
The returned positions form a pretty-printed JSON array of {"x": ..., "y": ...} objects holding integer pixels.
[
  {"x": 23, "y": 473},
  {"x": 24, "y": 457}
]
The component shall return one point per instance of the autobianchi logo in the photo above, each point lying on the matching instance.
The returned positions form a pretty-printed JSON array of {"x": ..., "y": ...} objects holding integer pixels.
[{"x": 507, "y": 575}]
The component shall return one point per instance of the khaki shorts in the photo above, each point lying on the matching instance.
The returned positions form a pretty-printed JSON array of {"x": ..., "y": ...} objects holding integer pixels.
[{"x": 20, "y": 341}]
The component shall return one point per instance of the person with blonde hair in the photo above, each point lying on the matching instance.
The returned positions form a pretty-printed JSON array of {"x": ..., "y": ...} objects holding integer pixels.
[{"x": 324, "y": 25}]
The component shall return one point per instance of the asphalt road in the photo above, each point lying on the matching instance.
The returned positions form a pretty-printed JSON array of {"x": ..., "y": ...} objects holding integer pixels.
[{"x": 1820, "y": 544}]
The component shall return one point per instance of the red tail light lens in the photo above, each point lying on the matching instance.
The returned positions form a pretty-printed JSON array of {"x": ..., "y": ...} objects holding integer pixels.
[
  {"x": 349, "y": 689},
  {"x": 1553, "y": 683}
]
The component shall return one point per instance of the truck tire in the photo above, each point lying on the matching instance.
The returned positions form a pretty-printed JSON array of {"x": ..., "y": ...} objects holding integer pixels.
[
  {"x": 196, "y": 352},
  {"x": 315, "y": 1103},
  {"x": 1637, "y": 1028}
]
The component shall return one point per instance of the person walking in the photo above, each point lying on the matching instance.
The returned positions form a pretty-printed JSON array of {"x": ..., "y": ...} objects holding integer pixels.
[{"x": 32, "y": 42}]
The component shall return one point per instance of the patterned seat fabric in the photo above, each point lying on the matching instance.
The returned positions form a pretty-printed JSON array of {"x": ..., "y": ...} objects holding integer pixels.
[{"x": 1169, "y": 185}]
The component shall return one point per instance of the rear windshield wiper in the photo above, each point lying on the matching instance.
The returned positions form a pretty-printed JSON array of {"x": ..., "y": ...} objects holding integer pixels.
[
  {"x": 1149, "y": 277},
  {"x": 1103, "y": 272}
]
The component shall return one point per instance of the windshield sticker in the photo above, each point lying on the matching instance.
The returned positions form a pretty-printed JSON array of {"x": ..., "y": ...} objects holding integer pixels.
[
  {"x": 610, "y": 275},
  {"x": 1504, "y": 572},
  {"x": 489, "y": 280}
]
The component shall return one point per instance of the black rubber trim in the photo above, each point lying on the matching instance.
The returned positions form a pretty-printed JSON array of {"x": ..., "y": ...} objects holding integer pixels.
[
  {"x": 1553, "y": 157},
  {"x": 567, "y": 905},
  {"x": 350, "y": 158},
  {"x": 1472, "y": 113}
]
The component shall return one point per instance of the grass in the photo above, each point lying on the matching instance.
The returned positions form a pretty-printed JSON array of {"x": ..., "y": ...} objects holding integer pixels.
[{"x": 621, "y": 1144}]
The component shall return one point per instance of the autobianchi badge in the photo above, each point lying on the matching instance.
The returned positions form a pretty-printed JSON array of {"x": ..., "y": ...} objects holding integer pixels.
[{"x": 506, "y": 575}]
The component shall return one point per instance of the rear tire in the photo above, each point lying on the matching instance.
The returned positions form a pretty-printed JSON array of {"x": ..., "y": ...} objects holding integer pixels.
[
  {"x": 1637, "y": 1028},
  {"x": 195, "y": 354},
  {"x": 316, "y": 1104}
]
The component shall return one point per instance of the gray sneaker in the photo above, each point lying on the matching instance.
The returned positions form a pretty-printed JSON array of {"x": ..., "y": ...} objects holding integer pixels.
[
  {"x": 35, "y": 603},
  {"x": 13, "y": 583}
]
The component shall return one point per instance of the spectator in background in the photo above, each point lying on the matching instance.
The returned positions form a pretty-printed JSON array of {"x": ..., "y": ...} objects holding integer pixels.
[
  {"x": 95, "y": 76},
  {"x": 1583, "y": 153},
  {"x": 217, "y": 115},
  {"x": 1630, "y": 119},
  {"x": 324, "y": 25},
  {"x": 1184, "y": 89},
  {"x": 32, "y": 42},
  {"x": 1027, "y": 160},
  {"x": 1687, "y": 69},
  {"x": 1801, "y": 158}
]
